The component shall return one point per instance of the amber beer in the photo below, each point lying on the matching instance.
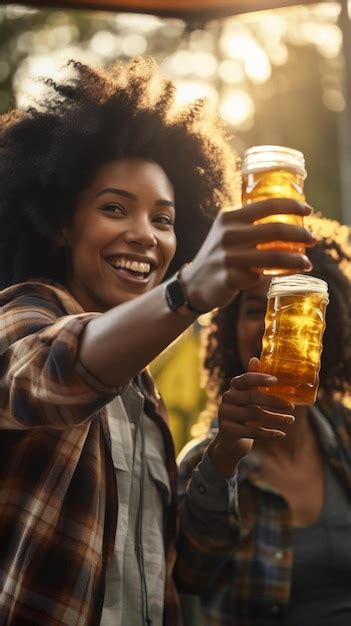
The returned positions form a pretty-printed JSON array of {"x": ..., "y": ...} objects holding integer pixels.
[
  {"x": 274, "y": 172},
  {"x": 292, "y": 341}
]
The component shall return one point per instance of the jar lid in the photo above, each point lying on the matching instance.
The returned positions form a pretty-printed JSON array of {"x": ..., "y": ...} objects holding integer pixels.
[
  {"x": 261, "y": 158},
  {"x": 297, "y": 284}
]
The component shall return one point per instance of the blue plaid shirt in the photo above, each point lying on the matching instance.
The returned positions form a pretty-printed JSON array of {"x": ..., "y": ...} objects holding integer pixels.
[{"x": 253, "y": 579}]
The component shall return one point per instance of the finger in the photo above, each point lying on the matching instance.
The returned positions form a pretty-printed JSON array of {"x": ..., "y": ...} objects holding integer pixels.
[
  {"x": 266, "y": 259},
  {"x": 254, "y": 416},
  {"x": 255, "y": 365},
  {"x": 283, "y": 424},
  {"x": 267, "y": 419},
  {"x": 263, "y": 208},
  {"x": 268, "y": 232},
  {"x": 252, "y": 379},
  {"x": 239, "y": 431},
  {"x": 251, "y": 397},
  {"x": 263, "y": 434}
]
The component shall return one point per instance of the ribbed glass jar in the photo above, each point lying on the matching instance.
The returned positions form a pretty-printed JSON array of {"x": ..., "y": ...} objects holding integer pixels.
[
  {"x": 292, "y": 341},
  {"x": 274, "y": 172}
]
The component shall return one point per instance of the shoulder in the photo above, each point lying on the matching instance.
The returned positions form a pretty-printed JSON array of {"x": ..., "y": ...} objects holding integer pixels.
[
  {"x": 338, "y": 415},
  {"x": 28, "y": 307},
  {"x": 39, "y": 293}
]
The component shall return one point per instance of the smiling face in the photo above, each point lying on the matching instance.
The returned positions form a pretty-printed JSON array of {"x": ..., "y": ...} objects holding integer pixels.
[
  {"x": 250, "y": 326},
  {"x": 121, "y": 239}
]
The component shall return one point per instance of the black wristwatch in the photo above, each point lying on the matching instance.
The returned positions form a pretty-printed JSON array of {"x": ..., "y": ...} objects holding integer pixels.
[{"x": 176, "y": 298}]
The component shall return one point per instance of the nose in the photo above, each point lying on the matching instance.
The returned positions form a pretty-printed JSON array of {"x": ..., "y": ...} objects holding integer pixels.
[{"x": 140, "y": 232}]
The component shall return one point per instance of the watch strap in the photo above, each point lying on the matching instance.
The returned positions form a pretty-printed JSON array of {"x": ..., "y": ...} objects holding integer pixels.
[{"x": 176, "y": 297}]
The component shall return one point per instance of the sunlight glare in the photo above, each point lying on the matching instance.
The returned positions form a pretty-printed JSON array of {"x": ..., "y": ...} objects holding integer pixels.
[
  {"x": 134, "y": 45},
  {"x": 257, "y": 65},
  {"x": 105, "y": 43},
  {"x": 231, "y": 71},
  {"x": 237, "y": 108},
  {"x": 188, "y": 90}
]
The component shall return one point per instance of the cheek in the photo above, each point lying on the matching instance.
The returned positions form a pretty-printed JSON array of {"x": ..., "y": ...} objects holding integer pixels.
[
  {"x": 174, "y": 245},
  {"x": 170, "y": 246},
  {"x": 254, "y": 332},
  {"x": 259, "y": 329},
  {"x": 89, "y": 238},
  {"x": 247, "y": 337}
]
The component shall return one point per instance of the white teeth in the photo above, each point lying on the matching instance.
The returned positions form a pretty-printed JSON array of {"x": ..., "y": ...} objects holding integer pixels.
[{"x": 135, "y": 266}]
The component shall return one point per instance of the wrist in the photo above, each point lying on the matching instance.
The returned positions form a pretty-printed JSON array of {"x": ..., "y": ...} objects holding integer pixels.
[
  {"x": 177, "y": 300},
  {"x": 194, "y": 300},
  {"x": 224, "y": 460}
]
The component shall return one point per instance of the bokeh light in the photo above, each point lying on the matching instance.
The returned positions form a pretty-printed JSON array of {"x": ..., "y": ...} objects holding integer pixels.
[
  {"x": 189, "y": 90},
  {"x": 225, "y": 60},
  {"x": 237, "y": 108}
]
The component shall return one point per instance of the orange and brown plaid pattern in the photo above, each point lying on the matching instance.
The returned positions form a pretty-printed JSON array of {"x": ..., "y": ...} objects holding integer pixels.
[{"x": 58, "y": 491}]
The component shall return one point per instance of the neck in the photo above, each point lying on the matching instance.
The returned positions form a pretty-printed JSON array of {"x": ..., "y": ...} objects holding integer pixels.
[{"x": 299, "y": 438}]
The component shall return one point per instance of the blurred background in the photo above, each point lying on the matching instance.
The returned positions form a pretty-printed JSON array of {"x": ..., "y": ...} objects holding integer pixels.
[{"x": 276, "y": 76}]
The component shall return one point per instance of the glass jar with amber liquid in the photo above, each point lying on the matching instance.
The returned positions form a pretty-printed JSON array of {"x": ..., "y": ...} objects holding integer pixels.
[
  {"x": 274, "y": 172},
  {"x": 292, "y": 341}
]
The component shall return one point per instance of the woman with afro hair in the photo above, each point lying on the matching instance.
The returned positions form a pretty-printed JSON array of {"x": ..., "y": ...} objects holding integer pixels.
[
  {"x": 107, "y": 190},
  {"x": 291, "y": 564}
]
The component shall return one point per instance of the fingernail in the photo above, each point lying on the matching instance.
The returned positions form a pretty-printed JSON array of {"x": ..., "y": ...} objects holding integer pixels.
[
  {"x": 271, "y": 379},
  {"x": 289, "y": 419},
  {"x": 307, "y": 263},
  {"x": 308, "y": 207}
]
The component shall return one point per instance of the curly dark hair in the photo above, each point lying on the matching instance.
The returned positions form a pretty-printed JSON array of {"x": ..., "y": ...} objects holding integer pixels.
[
  {"x": 331, "y": 258},
  {"x": 51, "y": 152}
]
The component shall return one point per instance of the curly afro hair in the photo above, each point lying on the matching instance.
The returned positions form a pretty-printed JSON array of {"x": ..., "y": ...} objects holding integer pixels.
[
  {"x": 331, "y": 258},
  {"x": 51, "y": 152}
]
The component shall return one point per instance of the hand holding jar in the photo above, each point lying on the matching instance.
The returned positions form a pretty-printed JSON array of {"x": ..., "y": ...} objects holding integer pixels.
[{"x": 274, "y": 172}]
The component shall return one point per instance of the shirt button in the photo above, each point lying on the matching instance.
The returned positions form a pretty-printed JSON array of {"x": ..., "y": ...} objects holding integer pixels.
[
  {"x": 279, "y": 555},
  {"x": 201, "y": 489}
]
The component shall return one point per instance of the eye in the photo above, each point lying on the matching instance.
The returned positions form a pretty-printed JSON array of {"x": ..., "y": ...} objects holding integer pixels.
[
  {"x": 255, "y": 313},
  {"x": 113, "y": 208},
  {"x": 164, "y": 219}
]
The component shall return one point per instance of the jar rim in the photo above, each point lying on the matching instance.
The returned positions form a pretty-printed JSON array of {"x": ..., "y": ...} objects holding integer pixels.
[
  {"x": 297, "y": 284},
  {"x": 269, "y": 157}
]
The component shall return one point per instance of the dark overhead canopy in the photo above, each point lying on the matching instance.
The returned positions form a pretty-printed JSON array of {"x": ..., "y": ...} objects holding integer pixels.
[{"x": 176, "y": 8}]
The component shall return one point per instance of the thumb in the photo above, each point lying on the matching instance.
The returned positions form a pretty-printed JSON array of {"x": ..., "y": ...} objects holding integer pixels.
[{"x": 254, "y": 365}]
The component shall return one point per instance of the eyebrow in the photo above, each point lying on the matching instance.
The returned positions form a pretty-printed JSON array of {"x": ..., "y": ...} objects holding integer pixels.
[{"x": 132, "y": 196}]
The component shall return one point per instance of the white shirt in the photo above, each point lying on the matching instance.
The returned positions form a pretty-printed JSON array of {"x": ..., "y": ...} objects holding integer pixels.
[{"x": 136, "y": 465}]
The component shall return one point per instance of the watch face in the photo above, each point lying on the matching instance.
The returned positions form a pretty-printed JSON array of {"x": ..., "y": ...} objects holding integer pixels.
[{"x": 174, "y": 295}]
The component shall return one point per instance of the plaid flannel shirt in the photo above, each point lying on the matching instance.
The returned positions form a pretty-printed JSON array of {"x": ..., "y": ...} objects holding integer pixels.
[
  {"x": 58, "y": 490},
  {"x": 252, "y": 587}
]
